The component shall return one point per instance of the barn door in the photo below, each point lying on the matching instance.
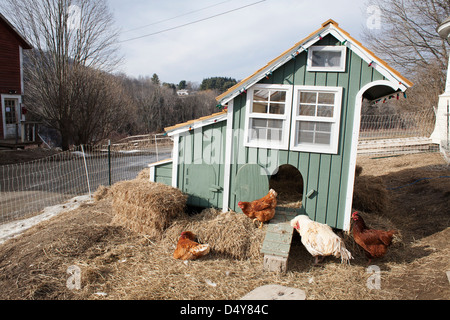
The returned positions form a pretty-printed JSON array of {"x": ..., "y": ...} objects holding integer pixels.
[
  {"x": 252, "y": 182},
  {"x": 11, "y": 117},
  {"x": 200, "y": 185}
]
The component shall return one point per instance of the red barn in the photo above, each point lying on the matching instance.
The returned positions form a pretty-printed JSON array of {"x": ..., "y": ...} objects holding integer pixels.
[{"x": 12, "y": 44}]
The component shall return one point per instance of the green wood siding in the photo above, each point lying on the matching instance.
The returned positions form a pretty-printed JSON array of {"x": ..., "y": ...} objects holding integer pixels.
[
  {"x": 325, "y": 174},
  {"x": 163, "y": 173},
  {"x": 201, "y": 156}
]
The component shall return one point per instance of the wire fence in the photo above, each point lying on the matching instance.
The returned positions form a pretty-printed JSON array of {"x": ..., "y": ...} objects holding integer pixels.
[
  {"x": 397, "y": 133},
  {"x": 27, "y": 188}
]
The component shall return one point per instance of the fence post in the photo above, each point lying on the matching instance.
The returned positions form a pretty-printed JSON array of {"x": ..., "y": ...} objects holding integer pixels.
[
  {"x": 109, "y": 162},
  {"x": 156, "y": 145},
  {"x": 448, "y": 126},
  {"x": 87, "y": 172}
]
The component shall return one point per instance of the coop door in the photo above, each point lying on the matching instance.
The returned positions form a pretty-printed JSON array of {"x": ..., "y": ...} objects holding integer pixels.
[
  {"x": 252, "y": 183},
  {"x": 200, "y": 184}
]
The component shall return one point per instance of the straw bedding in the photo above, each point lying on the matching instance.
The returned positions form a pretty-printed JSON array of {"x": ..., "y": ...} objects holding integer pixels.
[
  {"x": 117, "y": 263},
  {"x": 229, "y": 234}
]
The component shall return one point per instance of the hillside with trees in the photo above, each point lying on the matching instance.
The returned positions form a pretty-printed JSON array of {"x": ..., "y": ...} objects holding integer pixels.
[{"x": 221, "y": 84}]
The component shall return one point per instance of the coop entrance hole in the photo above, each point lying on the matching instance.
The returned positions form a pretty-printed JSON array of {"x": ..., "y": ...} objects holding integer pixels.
[{"x": 287, "y": 181}]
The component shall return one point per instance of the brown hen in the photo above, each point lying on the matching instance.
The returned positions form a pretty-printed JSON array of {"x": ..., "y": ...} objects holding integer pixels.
[
  {"x": 188, "y": 249},
  {"x": 374, "y": 242},
  {"x": 262, "y": 209}
]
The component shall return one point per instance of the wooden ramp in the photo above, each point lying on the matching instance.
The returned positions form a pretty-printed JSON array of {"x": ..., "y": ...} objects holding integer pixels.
[{"x": 277, "y": 242}]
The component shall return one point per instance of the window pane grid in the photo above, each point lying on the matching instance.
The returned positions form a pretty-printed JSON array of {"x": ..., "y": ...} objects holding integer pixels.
[
  {"x": 314, "y": 132},
  {"x": 10, "y": 111},
  {"x": 266, "y": 130},
  {"x": 269, "y": 101},
  {"x": 316, "y": 104}
]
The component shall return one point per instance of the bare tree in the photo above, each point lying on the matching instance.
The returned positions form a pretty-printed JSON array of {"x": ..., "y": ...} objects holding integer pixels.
[
  {"x": 102, "y": 105},
  {"x": 407, "y": 39},
  {"x": 67, "y": 36}
]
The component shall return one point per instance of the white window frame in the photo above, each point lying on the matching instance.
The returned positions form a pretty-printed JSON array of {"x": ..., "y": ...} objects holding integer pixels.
[
  {"x": 284, "y": 143},
  {"x": 340, "y": 68},
  {"x": 332, "y": 148}
]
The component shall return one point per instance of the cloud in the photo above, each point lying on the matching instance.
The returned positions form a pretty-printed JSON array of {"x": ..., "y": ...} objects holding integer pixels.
[{"x": 233, "y": 45}]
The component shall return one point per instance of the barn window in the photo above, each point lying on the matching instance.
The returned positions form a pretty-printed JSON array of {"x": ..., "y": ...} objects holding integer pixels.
[
  {"x": 316, "y": 118},
  {"x": 269, "y": 108},
  {"x": 327, "y": 58},
  {"x": 10, "y": 111}
]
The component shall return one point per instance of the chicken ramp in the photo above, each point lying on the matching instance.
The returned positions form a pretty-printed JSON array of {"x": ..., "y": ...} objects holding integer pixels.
[{"x": 277, "y": 242}]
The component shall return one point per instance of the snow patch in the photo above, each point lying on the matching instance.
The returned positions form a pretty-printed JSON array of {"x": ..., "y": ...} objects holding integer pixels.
[{"x": 15, "y": 228}]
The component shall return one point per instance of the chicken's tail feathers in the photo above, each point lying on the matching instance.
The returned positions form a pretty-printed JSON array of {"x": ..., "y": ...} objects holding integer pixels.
[
  {"x": 343, "y": 253},
  {"x": 201, "y": 249},
  {"x": 346, "y": 256},
  {"x": 387, "y": 237}
]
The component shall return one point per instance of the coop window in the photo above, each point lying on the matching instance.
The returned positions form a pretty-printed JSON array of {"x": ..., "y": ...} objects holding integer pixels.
[
  {"x": 316, "y": 118},
  {"x": 327, "y": 58},
  {"x": 269, "y": 108}
]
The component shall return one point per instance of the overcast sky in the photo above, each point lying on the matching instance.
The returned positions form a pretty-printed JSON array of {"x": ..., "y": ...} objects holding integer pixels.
[
  {"x": 230, "y": 38},
  {"x": 234, "y": 44}
]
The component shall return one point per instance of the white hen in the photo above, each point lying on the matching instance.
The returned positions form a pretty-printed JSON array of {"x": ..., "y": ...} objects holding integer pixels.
[{"x": 320, "y": 240}]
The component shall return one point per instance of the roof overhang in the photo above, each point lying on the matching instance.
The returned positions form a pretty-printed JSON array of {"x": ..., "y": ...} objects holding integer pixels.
[
  {"x": 196, "y": 124},
  {"x": 328, "y": 27}
]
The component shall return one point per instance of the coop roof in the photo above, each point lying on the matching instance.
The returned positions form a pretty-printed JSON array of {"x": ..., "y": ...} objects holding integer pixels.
[
  {"x": 329, "y": 26},
  {"x": 196, "y": 123}
]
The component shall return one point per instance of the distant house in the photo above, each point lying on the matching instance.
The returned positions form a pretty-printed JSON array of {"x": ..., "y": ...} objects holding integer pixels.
[
  {"x": 302, "y": 109},
  {"x": 183, "y": 93},
  {"x": 12, "y": 44}
]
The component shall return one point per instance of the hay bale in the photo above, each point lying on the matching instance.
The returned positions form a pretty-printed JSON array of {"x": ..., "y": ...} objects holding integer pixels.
[
  {"x": 146, "y": 207},
  {"x": 144, "y": 174},
  {"x": 230, "y": 234},
  {"x": 101, "y": 193},
  {"x": 370, "y": 194}
]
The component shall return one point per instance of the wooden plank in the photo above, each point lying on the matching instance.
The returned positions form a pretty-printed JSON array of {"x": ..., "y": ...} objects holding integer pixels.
[
  {"x": 278, "y": 237},
  {"x": 300, "y": 69},
  {"x": 303, "y": 167},
  {"x": 289, "y": 72},
  {"x": 278, "y": 75},
  {"x": 164, "y": 180},
  {"x": 275, "y": 249},
  {"x": 321, "y": 78},
  {"x": 163, "y": 172},
  {"x": 282, "y": 157},
  {"x": 313, "y": 179},
  {"x": 323, "y": 188},
  {"x": 198, "y": 146},
  {"x": 335, "y": 182},
  {"x": 354, "y": 86},
  {"x": 238, "y": 154},
  {"x": 277, "y": 241},
  {"x": 392, "y": 143}
]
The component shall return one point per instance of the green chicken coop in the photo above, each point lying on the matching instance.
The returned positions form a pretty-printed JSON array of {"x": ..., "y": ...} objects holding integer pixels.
[{"x": 303, "y": 109}]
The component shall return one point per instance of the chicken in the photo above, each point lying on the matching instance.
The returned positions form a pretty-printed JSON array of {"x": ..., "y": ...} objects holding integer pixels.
[
  {"x": 188, "y": 249},
  {"x": 261, "y": 210},
  {"x": 320, "y": 240},
  {"x": 374, "y": 242}
]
